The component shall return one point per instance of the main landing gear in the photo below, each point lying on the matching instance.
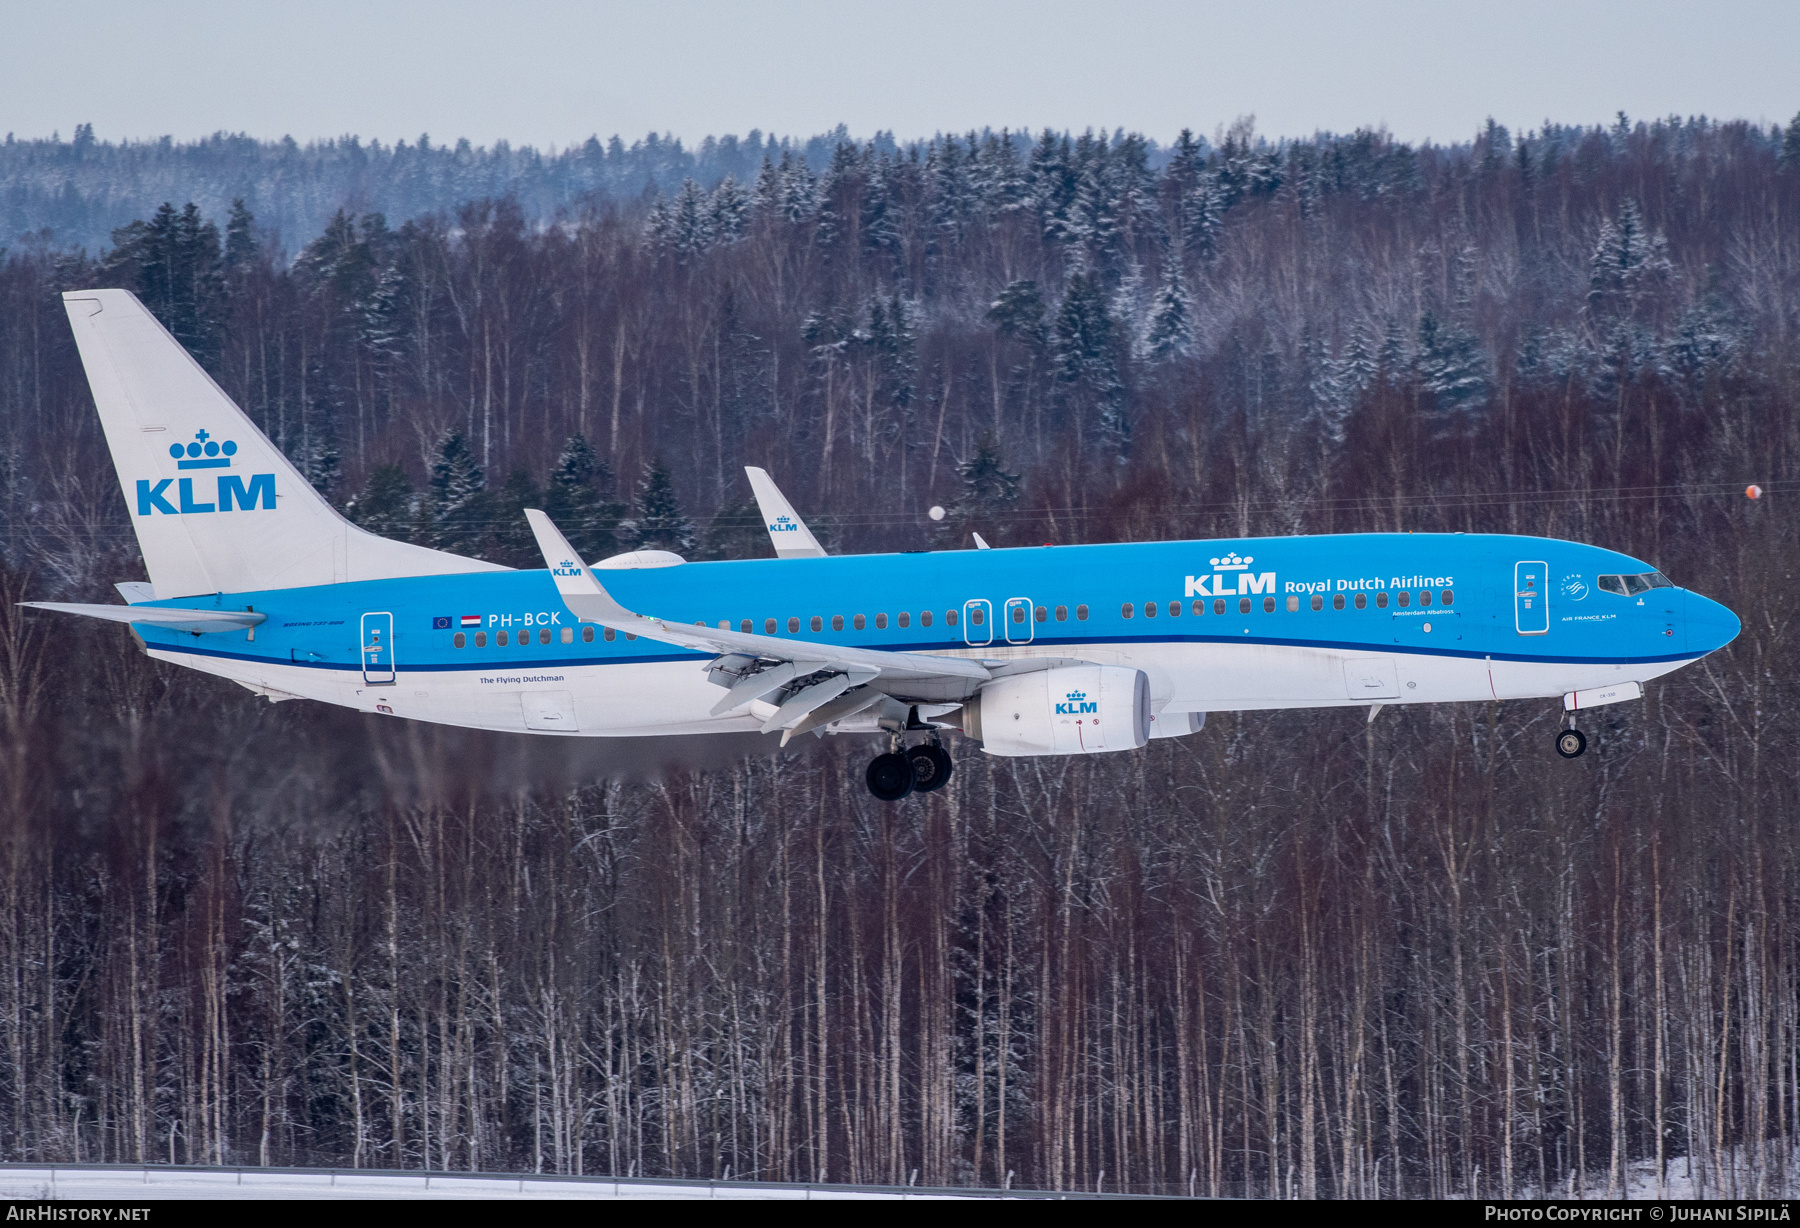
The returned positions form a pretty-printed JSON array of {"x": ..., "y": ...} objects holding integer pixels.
[
  {"x": 920, "y": 769},
  {"x": 1571, "y": 743}
]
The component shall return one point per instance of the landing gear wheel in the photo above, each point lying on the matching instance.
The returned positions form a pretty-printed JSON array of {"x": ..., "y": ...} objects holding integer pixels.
[
  {"x": 1570, "y": 743},
  {"x": 930, "y": 767},
  {"x": 890, "y": 777}
]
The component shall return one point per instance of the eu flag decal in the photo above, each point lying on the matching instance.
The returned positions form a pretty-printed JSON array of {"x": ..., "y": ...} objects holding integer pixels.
[{"x": 441, "y": 624}]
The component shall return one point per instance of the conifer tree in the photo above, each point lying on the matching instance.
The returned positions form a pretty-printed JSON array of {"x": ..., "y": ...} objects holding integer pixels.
[
  {"x": 1171, "y": 323},
  {"x": 576, "y": 500},
  {"x": 988, "y": 492},
  {"x": 387, "y": 505},
  {"x": 459, "y": 505},
  {"x": 659, "y": 523}
]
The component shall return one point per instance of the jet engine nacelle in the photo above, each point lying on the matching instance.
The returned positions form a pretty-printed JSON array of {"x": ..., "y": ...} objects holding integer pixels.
[{"x": 1071, "y": 710}]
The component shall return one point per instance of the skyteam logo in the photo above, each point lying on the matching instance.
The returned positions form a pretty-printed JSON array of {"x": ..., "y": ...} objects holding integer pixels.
[
  {"x": 229, "y": 493},
  {"x": 784, "y": 524},
  {"x": 1231, "y": 577},
  {"x": 568, "y": 567},
  {"x": 1076, "y": 704}
]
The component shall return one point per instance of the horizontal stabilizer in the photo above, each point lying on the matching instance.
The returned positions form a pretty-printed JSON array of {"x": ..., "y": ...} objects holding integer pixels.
[{"x": 197, "y": 621}]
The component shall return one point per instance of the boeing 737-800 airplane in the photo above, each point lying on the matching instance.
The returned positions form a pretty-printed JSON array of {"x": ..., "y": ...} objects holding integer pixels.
[{"x": 1067, "y": 650}]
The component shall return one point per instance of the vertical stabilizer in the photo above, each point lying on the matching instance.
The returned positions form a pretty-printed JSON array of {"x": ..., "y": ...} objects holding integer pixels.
[
  {"x": 216, "y": 506},
  {"x": 793, "y": 540}
]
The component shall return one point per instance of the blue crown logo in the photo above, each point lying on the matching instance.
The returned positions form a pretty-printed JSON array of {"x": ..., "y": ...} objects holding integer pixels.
[
  {"x": 204, "y": 453},
  {"x": 1232, "y": 562},
  {"x": 1077, "y": 696}
]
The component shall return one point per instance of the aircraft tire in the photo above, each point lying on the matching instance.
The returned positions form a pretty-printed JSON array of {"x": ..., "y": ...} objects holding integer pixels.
[
  {"x": 890, "y": 777},
  {"x": 1571, "y": 743},
  {"x": 931, "y": 767}
]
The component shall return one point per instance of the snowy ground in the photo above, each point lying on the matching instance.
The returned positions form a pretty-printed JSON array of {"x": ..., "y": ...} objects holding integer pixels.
[{"x": 113, "y": 1184}]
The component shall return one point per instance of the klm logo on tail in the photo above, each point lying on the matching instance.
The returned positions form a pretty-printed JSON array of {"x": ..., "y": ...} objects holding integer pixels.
[
  {"x": 568, "y": 567},
  {"x": 230, "y": 492}
]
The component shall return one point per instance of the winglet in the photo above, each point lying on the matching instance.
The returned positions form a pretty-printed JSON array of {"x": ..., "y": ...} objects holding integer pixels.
[
  {"x": 793, "y": 540},
  {"x": 575, "y": 582}
]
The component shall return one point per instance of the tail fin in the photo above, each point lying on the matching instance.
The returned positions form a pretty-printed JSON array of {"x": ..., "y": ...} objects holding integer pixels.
[{"x": 216, "y": 506}]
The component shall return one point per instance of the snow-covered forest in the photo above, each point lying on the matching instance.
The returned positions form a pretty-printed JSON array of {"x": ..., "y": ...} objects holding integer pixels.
[{"x": 1296, "y": 953}]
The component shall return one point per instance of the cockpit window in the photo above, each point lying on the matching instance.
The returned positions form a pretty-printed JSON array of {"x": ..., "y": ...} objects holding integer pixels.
[{"x": 1631, "y": 586}]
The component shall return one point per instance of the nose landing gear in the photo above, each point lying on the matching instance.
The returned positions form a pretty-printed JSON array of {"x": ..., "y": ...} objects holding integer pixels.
[
  {"x": 1571, "y": 743},
  {"x": 922, "y": 769}
]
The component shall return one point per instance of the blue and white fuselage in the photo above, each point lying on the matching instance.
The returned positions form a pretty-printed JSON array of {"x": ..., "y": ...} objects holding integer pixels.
[
  {"x": 471, "y": 649},
  {"x": 1052, "y": 650}
]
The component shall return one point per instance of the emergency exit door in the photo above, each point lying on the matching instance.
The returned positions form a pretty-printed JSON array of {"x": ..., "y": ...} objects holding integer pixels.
[
  {"x": 1531, "y": 597},
  {"x": 378, "y": 649}
]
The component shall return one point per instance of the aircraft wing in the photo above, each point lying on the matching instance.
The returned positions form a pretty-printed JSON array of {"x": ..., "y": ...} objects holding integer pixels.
[
  {"x": 793, "y": 540},
  {"x": 197, "y": 621},
  {"x": 808, "y": 677}
]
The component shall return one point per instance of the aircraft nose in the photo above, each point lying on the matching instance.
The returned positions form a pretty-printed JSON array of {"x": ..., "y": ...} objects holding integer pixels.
[{"x": 1710, "y": 626}]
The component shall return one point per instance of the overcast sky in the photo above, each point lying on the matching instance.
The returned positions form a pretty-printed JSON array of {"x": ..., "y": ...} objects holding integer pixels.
[{"x": 553, "y": 72}]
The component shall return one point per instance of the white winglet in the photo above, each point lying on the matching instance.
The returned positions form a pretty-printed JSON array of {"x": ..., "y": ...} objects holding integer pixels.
[
  {"x": 980, "y": 541},
  {"x": 793, "y": 540},
  {"x": 574, "y": 582}
]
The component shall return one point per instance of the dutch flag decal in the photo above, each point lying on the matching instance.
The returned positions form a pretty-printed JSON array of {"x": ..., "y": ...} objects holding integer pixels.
[{"x": 471, "y": 620}]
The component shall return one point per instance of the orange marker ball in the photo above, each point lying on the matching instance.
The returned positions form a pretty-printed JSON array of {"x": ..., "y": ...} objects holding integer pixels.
[{"x": 1752, "y": 492}]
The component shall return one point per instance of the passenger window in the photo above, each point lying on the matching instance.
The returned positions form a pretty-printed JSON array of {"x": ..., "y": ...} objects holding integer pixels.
[
  {"x": 906, "y": 618},
  {"x": 725, "y": 624},
  {"x": 1381, "y": 601},
  {"x": 544, "y": 635},
  {"x": 1337, "y": 601},
  {"x": 611, "y": 635},
  {"x": 460, "y": 639},
  {"x": 500, "y": 639},
  {"x": 568, "y": 635},
  {"x": 1362, "y": 601},
  {"x": 1293, "y": 605},
  {"x": 1268, "y": 605},
  {"x": 924, "y": 618},
  {"x": 949, "y": 618},
  {"x": 630, "y": 635},
  {"x": 1425, "y": 597},
  {"x": 1243, "y": 605},
  {"x": 1219, "y": 606},
  {"x": 525, "y": 638},
  {"x": 837, "y": 622},
  {"x": 1018, "y": 613},
  {"x": 880, "y": 622},
  {"x": 1318, "y": 602},
  {"x": 1199, "y": 608},
  {"x": 793, "y": 626},
  {"x": 587, "y": 635},
  {"x": 481, "y": 639},
  {"x": 1404, "y": 600},
  {"x": 1062, "y": 613},
  {"x": 976, "y": 616},
  {"x": 1080, "y": 613},
  {"x": 1127, "y": 610},
  {"x": 1149, "y": 609},
  {"x": 1447, "y": 597},
  {"x": 1635, "y": 585},
  {"x": 818, "y": 624},
  {"x": 1041, "y": 614},
  {"x": 1174, "y": 609},
  {"x": 859, "y": 622},
  {"x": 747, "y": 626}
]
